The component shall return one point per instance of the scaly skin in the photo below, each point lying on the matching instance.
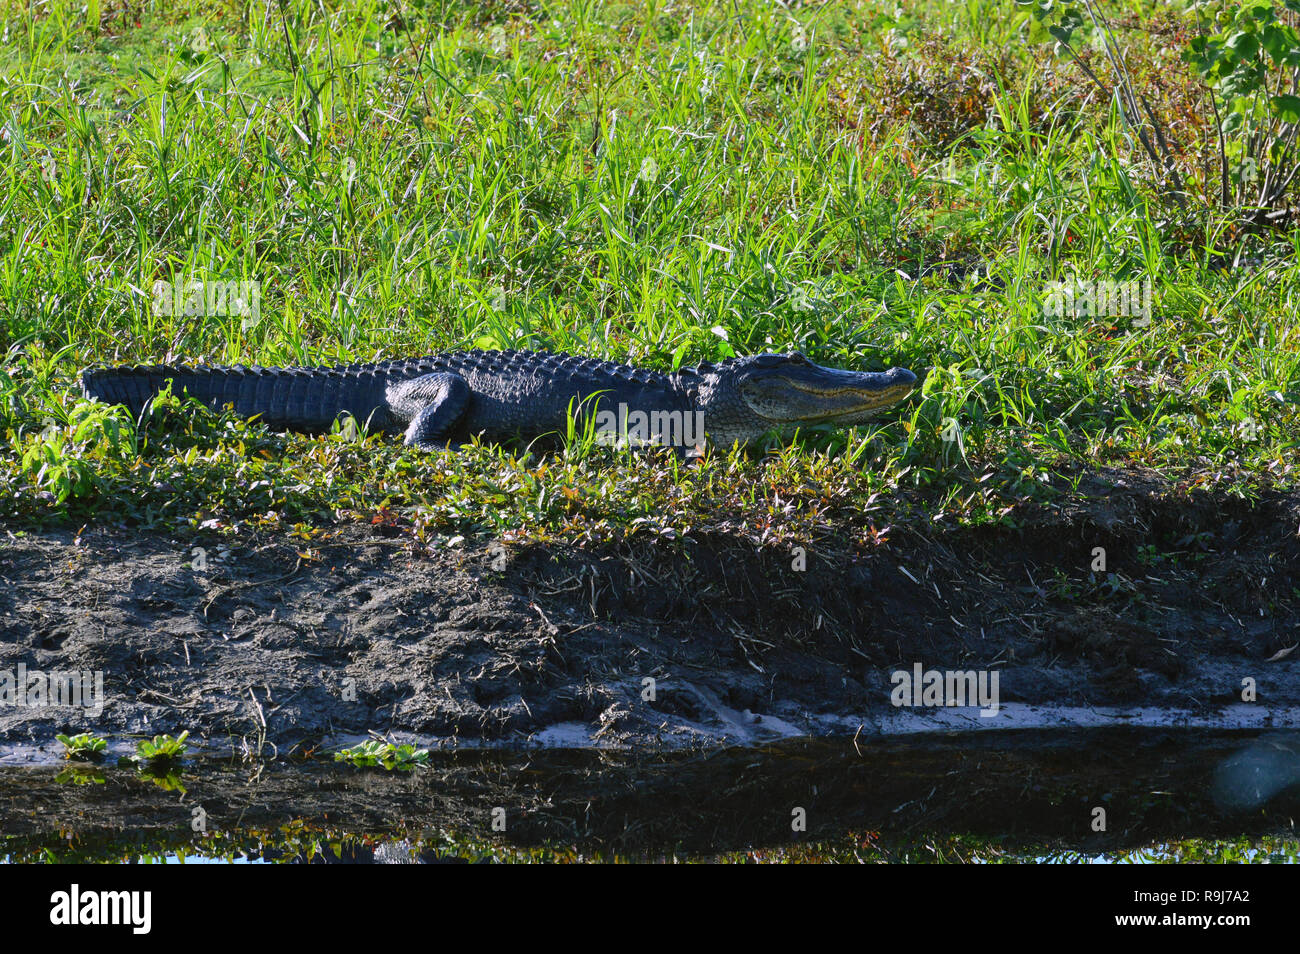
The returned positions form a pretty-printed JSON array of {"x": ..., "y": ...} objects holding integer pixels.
[{"x": 446, "y": 398}]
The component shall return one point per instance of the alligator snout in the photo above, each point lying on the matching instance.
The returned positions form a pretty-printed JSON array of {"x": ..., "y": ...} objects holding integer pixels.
[{"x": 901, "y": 377}]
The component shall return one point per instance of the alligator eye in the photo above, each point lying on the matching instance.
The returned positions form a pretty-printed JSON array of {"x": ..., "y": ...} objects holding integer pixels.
[{"x": 796, "y": 357}]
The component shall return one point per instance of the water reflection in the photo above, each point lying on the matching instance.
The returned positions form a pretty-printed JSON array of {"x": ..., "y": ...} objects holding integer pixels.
[
  {"x": 978, "y": 797},
  {"x": 1252, "y": 777}
]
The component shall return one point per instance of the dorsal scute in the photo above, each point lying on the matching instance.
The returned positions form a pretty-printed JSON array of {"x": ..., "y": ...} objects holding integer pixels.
[{"x": 500, "y": 361}]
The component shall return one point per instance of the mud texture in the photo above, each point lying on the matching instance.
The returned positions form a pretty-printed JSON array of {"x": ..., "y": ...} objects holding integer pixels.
[{"x": 252, "y": 648}]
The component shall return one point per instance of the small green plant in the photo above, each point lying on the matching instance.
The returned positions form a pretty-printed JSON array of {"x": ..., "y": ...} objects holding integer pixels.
[
  {"x": 81, "y": 775},
  {"x": 1149, "y": 554},
  {"x": 1251, "y": 63},
  {"x": 169, "y": 781},
  {"x": 160, "y": 754},
  {"x": 1062, "y": 587},
  {"x": 84, "y": 747},
  {"x": 385, "y": 755},
  {"x": 61, "y": 459}
]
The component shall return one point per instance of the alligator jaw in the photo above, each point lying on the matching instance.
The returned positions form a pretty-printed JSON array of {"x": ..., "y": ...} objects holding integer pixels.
[
  {"x": 805, "y": 393},
  {"x": 866, "y": 394}
]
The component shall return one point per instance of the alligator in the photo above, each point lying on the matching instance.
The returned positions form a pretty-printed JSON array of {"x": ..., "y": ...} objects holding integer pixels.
[{"x": 444, "y": 400}]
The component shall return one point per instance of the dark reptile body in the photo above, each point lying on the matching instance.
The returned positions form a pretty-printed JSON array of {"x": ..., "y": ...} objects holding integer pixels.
[{"x": 514, "y": 393}]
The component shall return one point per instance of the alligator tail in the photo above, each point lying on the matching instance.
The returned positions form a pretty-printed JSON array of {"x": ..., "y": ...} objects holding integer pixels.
[{"x": 300, "y": 399}]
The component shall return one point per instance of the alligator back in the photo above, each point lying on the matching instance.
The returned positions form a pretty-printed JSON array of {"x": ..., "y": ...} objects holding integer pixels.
[{"x": 513, "y": 393}]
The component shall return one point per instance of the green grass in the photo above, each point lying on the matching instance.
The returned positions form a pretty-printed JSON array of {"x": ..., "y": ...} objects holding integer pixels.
[
  {"x": 656, "y": 182},
  {"x": 297, "y": 838}
]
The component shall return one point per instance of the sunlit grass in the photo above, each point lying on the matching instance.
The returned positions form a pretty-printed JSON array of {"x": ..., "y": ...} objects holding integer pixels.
[{"x": 661, "y": 183}]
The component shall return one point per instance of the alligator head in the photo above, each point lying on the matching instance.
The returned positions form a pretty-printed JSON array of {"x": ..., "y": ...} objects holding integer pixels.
[{"x": 744, "y": 398}]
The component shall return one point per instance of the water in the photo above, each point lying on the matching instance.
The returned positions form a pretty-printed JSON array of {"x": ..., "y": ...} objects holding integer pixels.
[{"x": 1072, "y": 796}]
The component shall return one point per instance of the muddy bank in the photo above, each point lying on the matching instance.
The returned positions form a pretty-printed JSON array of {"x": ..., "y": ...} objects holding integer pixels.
[{"x": 254, "y": 648}]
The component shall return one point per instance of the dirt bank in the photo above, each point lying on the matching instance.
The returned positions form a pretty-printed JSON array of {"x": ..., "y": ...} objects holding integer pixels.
[{"x": 246, "y": 644}]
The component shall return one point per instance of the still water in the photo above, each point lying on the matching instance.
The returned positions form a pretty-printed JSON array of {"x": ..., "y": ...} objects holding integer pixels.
[{"x": 1071, "y": 796}]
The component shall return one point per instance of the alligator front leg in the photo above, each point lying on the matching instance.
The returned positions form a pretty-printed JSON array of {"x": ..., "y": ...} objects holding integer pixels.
[{"x": 433, "y": 404}]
